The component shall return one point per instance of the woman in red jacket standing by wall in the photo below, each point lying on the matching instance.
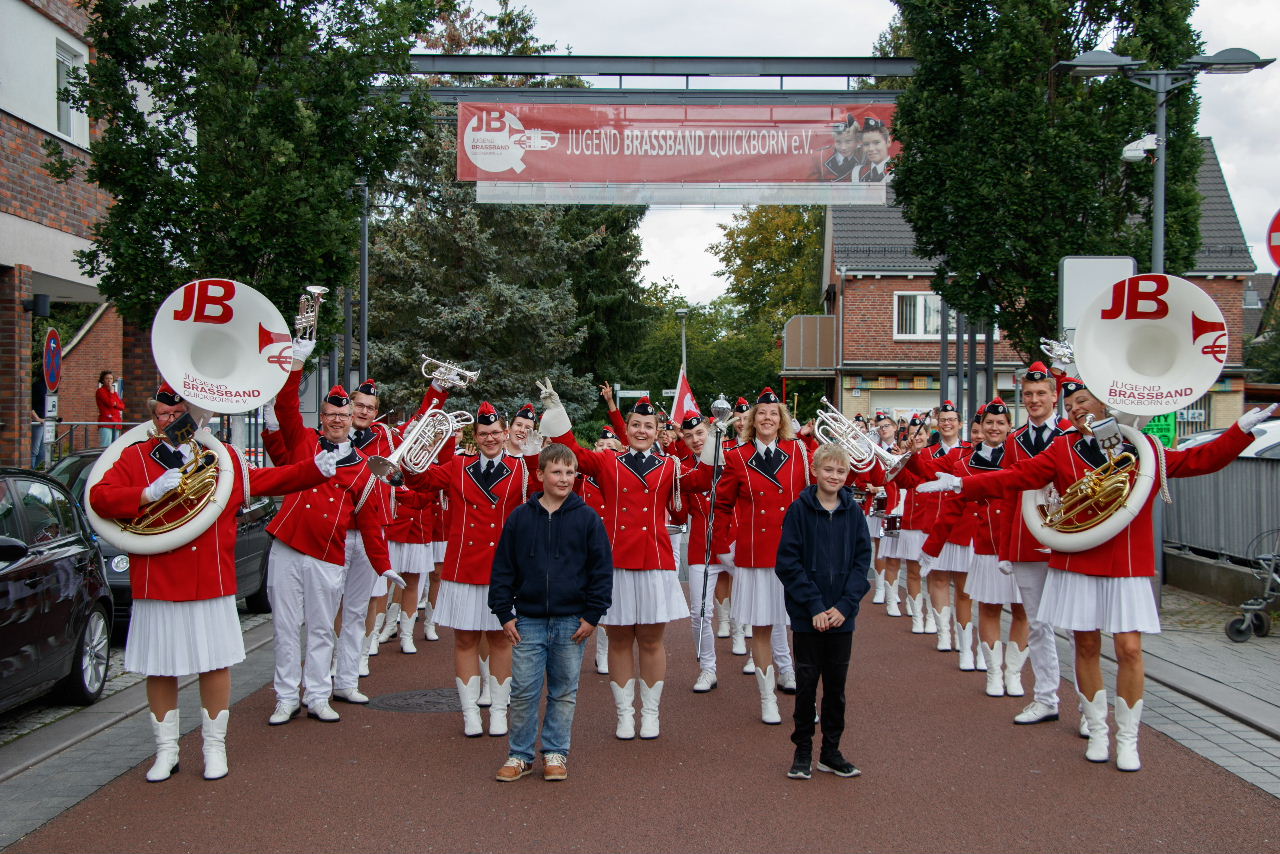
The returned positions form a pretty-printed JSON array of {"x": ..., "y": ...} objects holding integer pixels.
[{"x": 110, "y": 409}]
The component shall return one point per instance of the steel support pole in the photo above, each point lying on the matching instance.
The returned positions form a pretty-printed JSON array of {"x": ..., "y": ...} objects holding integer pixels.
[{"x": 364, "y": 283}]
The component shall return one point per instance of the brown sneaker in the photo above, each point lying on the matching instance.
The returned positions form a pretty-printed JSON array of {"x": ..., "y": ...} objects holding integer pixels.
[
  {"x": 513, "y": 769},
  {"x": 555, "y": 767}
]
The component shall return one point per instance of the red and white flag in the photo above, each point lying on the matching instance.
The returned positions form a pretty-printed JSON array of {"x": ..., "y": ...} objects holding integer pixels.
[{"x": 685, "y": 404}]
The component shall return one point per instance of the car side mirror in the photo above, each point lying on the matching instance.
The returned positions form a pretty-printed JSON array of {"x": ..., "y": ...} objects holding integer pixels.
[{"x": 11, "y": 550}]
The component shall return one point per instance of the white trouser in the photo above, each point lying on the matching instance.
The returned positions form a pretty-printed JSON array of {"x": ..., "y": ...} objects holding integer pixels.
[
  {"x": 302, "y": 589},
  {"x": 355, "y": 606},
  {"x": 1041, "y": 642},
  {"x": 782, "y": 662},
  {"x": 703, "y": 624}
]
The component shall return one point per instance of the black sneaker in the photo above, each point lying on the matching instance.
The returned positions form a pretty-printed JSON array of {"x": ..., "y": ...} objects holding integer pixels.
[
  {"x": 838, "y": 765},
  {"x": 801, "y": 767}
]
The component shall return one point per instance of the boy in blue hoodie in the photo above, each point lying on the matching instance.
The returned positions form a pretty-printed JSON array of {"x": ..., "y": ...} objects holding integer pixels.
[
  {"x": 823, "y": 560},
  {"x": 552, "y": 581}
]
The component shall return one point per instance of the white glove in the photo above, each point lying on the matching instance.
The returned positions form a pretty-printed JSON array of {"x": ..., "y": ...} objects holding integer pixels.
[
  {"x": 302, "y": 348},
  {"x": 928, "y": 563},
  {"x": 269, "y": 419},
  {"x": 555, "y": 421},
  {"x": 394, "y": 577},
  {"x": 547, "y": 393},
  {"x": 327, "y": 462},
  {"x": 1254, "y": 417},
  {"x": 1005, "y": 566},
  {"x": 726, "y": 559},
  {"x": 945, "y": 482},
  {"x": 710, "y": 450},
  {"x": 161, "y": 485}
]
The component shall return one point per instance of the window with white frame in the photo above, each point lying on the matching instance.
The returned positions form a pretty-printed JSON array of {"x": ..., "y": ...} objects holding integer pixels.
[
  {"x": 917, "y": 316},
  {"x": 67, "y": 59}
]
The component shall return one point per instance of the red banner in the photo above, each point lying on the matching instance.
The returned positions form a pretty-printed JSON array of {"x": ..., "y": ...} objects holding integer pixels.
[{"x": 677, "y": 146}]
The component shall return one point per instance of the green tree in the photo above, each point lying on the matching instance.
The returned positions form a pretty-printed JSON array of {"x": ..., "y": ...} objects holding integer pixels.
[
  {"x": 772, "y": 261},
  {"x": 1007, "y": 166},
  {"x": 231, "y": 134}
]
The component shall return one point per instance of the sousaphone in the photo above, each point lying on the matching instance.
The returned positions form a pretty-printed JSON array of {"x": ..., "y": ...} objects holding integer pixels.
[
  {"x": 1148, "y": 345},
  {"x": 225, "y": 349}
]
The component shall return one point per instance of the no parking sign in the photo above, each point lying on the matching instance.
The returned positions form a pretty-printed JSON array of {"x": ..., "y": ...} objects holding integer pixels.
[{"x": 52, "y": 360}]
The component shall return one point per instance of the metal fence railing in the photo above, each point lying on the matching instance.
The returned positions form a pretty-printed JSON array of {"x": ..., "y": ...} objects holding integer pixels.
[
  {"x": 1218, "y": 515},
  {"x": 245, "y": 430}
]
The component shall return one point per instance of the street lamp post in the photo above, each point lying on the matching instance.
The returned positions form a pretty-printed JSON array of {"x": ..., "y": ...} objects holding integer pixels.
[
  {"x": 1162, "y": 81},
  {"x": 683, "y": 314}
]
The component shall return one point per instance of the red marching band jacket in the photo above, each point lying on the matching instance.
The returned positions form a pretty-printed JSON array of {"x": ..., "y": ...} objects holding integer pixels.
[
  {"x": 750, "y": 504},
  {"x": 475, "y": 516},
  {"x": 1131, "y": 553},
  {"x": 635, "y": 508},
  {"x": 1019, "y": 545},
  {"x": 980, "y": 522},
  {"x": 924, "y": 509},
  {"x": 205, "y": 568},
  {"x": 316, "y": 522}
]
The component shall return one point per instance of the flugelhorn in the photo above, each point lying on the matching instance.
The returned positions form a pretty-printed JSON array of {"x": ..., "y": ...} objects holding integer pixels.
[
  {"x": 447, "y": 374},
  {"x": 833, "y": 428},
  {"x": 307, "y": 319},
  {"x": 423, "y": 441}
]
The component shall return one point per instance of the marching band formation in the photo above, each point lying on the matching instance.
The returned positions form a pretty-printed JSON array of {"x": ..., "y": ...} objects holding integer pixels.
[{"x": 379, "y": 522}]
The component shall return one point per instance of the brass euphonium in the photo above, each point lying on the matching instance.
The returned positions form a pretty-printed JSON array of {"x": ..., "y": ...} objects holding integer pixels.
[
  {"x": 307, "y": 318},
  {"x": 423, "y": 441},
  {"x": 1093, "y": 499},
  {"x": 833, "y": 428},
  {"x": 199, "y": 478}
]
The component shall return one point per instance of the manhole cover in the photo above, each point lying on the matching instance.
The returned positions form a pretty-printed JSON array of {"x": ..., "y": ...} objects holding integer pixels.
[{"x": 430, "y": 700}]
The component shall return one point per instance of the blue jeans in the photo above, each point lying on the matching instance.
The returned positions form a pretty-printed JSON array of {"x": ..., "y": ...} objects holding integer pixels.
[
  {"x": 546, "y": 650},
  {"x": 37, "y": 444}
]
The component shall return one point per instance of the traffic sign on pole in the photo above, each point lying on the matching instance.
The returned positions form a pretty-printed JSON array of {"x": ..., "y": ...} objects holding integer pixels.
[{"x": 52, "y": 360}]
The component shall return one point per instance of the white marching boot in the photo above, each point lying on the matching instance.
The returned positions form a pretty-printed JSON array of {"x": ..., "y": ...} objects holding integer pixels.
[
  {"x": 750, "y": 666},
  {"x": 486, "y": 696},
  {"x": 1014, "y": 658},
  {"x": 429, "y": 622},
  {"x": 980, "y": 659},
  {"x": 602, "y": 651},
  {"x": 468, "y": 693},
  {"x": 1128, "y": 718},
  {"x": 370, "y": 641},
  {"x": 166, "y": 733},
  {"x": 650, "y": 698},
  {"x": 915, "y": 607},
  {"x": 930, "y": 623},
  {"x": 500, "y": 692},
  {"x": 995, "y": 674},
  {"x": 766, "y": 681},
  {"x": 378, "y": 623},
  {"x": 624, "y": 699},
  {"x": 942, "y": 625},
  {"x": 1095, "y": 712},
  {"x": 878, "y": 598},
  {"x": 390, "y": 623},
  {"x": 891, "y": 599},
  {"x": 214, "y": 732},
  {"x": 964, "y": 640},
  {"x": 738, "y": 635},
  {"x": 407, "y": 619},
  {"x": 723, "y": 629}
]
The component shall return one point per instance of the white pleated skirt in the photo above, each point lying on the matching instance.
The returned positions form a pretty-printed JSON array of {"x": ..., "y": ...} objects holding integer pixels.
[
  {"x": 644, "y": 596},
  {"x": 952, "y": 558},
  {"x": 412, "y": 558},
  {"x": 466, "y": 607},
  {"x": 758, "y": 599},
  {"x": 986, "y": 583},
  {"x": 183, "y": 638},
  {"x": 910, "y": 544},
  {"x": 890, "y": 547},
  {"x": 1080, "y": 603},
  {"x": 875, "y": 526},
  {"x": 437, "y": 551}
]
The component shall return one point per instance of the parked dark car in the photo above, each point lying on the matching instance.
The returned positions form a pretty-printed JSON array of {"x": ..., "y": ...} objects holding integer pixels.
[
  {"x": 252, "y": 542},
  {"x": 55, "y": 604}
]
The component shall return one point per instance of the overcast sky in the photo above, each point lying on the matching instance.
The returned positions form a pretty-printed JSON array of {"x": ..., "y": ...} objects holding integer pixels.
[{"x": 1239, "y": 111}]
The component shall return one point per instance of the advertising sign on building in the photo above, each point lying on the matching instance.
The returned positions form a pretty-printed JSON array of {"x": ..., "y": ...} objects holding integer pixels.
[{"x": 628, "y": 154}]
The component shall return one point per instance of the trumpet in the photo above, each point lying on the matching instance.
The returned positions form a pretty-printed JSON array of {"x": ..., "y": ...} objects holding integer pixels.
[
  {"x": 307, "y": 318},
  {"x": 834, "y": 428},
  {"x": 423, "y": 441},
  {"x": 199, "y": 478},
  {"x": 447, "y": 374}
]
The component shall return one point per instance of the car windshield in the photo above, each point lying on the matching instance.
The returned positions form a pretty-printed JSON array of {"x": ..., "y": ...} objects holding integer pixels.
[{"x": 73, "y": 471}]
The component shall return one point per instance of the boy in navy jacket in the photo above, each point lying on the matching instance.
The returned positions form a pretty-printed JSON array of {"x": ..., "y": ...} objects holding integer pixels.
[
  {"x": 552, "y": 581},
  {"x": 823, "y": 560}
]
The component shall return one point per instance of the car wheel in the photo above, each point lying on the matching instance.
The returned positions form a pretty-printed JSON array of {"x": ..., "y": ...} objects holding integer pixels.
[
  {"x": 83, "y": 685},
  {"x": 258, "y": 602}
]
